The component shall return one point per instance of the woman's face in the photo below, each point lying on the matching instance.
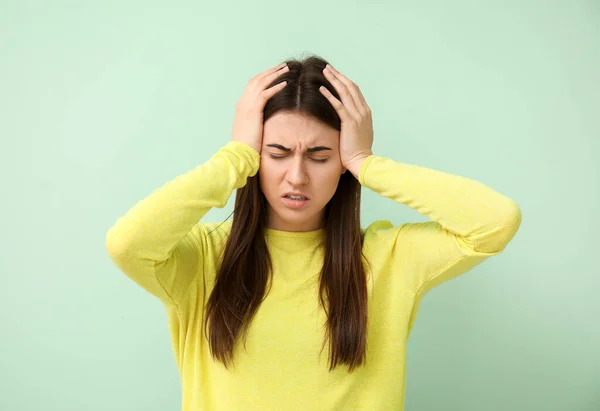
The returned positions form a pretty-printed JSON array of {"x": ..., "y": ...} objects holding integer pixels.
[{"x": 299, "y": 154}]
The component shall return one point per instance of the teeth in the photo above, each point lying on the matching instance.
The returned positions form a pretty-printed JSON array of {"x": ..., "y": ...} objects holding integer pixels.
[{"x": 296, "y": 198}]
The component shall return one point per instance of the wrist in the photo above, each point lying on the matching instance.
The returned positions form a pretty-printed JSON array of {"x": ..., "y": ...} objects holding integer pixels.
[{"x": 355, "y": 166}]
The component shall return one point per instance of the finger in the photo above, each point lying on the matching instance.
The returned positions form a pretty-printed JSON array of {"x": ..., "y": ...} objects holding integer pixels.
[
  {"x": 354, "y": 90},
  {"x": 271, "y": 78},
  {"x": 268, "y": 74},
  {"x": 270, "y": 92},
  {"x": 337, "y": 105},
  {"x": 272, "y": 70},
  {"x": 347, "y": 98}
]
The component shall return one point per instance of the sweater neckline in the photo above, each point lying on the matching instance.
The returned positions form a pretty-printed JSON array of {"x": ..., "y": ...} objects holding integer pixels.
[{"x": 271, "y": 232}]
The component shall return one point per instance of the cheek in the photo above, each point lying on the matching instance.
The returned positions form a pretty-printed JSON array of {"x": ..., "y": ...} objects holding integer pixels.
[{"x": 329, "y": 180}]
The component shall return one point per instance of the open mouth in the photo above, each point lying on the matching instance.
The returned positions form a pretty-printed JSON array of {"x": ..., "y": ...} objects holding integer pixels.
[
  {"x": 295, "y": 201},
  {"x": 296, "y": 198}
]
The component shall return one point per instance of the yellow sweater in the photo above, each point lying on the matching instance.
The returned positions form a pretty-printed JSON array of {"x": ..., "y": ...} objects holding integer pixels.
[{"x": 161, "y": 245}]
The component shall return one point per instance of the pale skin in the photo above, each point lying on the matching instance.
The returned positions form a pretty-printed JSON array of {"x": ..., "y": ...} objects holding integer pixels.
[{"x": 303, "y": 155}]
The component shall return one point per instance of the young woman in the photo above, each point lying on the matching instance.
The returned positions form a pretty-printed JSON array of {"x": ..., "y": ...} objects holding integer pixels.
[{"x": 252, "y": 303}]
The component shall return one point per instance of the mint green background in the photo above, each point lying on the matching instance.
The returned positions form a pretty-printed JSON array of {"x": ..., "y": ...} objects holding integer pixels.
[{"x": 103, "y": 102}]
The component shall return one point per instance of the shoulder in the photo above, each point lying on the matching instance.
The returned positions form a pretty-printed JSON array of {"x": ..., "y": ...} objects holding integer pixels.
[
  {"x": 380, "y": 230},
  {"x": 385, "y": 230},
  {"x": 383, "y": 235},
  {"x": 377, "y": 226},
  {"x": 379, "y": 235}
]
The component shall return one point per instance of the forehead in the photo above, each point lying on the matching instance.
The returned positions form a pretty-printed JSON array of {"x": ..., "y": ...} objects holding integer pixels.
[{"x": 296, "y": 128}]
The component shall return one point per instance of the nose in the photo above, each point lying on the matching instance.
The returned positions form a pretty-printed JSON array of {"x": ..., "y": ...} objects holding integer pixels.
[{"x": 296, "y": 173}]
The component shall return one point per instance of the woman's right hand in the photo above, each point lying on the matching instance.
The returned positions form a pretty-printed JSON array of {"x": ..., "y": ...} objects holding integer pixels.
[{"x": 248, "y": 122}]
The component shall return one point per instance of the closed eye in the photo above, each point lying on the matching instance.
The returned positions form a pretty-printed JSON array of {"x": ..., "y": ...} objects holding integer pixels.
[{"x": 313, "y": 159}]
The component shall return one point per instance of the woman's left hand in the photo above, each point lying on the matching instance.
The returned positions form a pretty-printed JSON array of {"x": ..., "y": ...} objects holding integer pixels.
[{"x": 356, "y": 135}]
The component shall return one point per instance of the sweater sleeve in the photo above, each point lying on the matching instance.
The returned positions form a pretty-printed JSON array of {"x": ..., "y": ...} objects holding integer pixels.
[
  {"x": 158, "y": 243},
  {"x": 470, "y": 221}
]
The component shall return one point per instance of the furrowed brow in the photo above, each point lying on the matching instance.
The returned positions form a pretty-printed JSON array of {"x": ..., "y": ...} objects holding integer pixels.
[{"x": 310, "y": 149}]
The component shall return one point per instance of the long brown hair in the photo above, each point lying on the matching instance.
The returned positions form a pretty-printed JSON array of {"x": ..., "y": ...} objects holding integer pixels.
[{"x": 246, "y": 266}]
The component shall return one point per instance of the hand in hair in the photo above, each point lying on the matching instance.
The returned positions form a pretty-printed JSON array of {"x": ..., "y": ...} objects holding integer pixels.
[
  {"x": 248, "y": 122},
  {"x": 356, "y": 135}
]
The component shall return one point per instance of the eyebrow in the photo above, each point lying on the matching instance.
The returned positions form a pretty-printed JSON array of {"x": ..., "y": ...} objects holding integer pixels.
[{"x": 310, "y": 149}]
